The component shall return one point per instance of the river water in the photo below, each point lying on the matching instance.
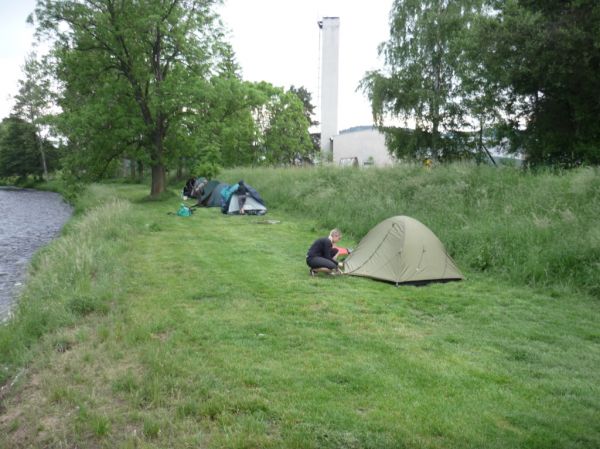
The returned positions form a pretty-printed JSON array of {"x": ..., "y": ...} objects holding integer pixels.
[{"x": 29, "y": 219}]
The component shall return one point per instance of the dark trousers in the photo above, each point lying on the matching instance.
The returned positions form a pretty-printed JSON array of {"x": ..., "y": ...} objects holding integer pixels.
[
  {"x": 321, "y": 262},
  {"x": 241, "y": 201}
]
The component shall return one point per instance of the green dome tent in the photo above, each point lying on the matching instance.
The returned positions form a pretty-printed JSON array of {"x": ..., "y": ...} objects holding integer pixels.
[
  {"x": 402, "y": 249},
  {"x": 210, "y": 194}
]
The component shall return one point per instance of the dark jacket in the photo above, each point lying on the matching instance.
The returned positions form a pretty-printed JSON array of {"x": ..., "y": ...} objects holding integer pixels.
[{"x": 322, "y": 248}]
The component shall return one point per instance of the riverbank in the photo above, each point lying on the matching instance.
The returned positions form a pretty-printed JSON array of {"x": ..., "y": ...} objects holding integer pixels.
[
  {"x": 29, "y": 219},
  {"x": 151, "y": 330}
]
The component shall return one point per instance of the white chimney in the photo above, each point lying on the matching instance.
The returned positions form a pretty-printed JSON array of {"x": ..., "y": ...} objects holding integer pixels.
[{"x": 330, "y": 43}]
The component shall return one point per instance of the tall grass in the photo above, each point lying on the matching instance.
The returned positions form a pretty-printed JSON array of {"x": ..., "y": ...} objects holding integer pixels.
[{"x": 533, "y": 228}]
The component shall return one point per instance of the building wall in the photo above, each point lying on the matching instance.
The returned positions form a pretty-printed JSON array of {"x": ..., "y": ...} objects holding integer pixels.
[
  {"x": 330, "y": 43},
  {"x": 363, "y": 144}
]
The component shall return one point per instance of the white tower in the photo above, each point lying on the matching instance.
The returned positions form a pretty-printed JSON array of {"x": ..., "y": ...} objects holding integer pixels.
[{"x": 330, "y": 43}]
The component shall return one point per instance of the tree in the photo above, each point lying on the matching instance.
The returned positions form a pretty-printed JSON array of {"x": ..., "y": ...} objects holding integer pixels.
[
  {"x": 100, "y": 120},
  {"x": 33, "y": 102},
  {"x": 132, "y": 74},
  {"x": 306, "y": 98},
  {"x": 286, "y": 138},
  {"x": 309, "y": 111},
  {"x": 20, "y": 149},
  {"x": 421, "y": 79},
  {"x": 547, "y": 56},
  {"x": 228, "y": 123}
]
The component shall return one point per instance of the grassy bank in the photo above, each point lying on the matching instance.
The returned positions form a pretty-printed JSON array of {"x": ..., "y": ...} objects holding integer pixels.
[
  {"x": 537, "y": 229},
  {"x": 160, "y": 331}
]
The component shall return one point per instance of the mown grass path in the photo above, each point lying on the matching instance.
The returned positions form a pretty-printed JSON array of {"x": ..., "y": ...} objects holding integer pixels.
[{"x": 218, "y": 338}]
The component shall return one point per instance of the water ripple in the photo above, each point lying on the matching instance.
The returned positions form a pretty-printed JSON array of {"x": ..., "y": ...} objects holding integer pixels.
[{"x": 29, "y": 219}]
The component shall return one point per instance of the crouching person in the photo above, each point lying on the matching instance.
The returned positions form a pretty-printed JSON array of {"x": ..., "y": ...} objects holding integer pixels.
[{"x": 321, "y": 256}]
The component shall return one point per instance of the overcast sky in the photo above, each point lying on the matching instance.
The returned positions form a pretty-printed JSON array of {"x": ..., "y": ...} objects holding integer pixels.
[
  {"x": 274, "y": 40},
  {"x": 15, "y": 42}
]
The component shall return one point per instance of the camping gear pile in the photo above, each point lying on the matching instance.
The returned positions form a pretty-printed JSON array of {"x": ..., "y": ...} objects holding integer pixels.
[
  {"x": 192, "y": 187},
  {"x": 233, "y": 199}
]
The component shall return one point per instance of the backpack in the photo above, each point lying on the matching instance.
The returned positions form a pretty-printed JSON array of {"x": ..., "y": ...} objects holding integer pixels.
[{"x": 184, "y": 211}]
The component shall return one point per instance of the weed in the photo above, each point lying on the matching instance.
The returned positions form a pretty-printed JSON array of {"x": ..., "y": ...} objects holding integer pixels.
[
  {"x": 151, "y": 428},
  {"x": 84, "y": 305}
]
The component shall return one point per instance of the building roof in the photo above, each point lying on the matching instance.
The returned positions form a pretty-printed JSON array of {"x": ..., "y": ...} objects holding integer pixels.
[{"x": 359, "y": 128}]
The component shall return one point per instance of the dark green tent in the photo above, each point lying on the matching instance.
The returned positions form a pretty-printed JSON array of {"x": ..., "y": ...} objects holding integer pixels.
[
  {"x": 211, "y": 194},
  {"x": 402, "y": 250}
]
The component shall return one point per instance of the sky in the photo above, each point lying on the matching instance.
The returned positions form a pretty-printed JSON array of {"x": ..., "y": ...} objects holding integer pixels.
[
  {"x": 16, "y": 38},
  {"x": 274, "y": 40}
]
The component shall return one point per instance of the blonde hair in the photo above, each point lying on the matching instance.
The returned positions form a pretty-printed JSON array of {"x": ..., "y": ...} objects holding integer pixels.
[{"x": 335, "y": 232}]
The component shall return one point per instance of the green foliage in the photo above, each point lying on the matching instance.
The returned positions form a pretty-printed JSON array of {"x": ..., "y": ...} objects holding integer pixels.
[
  {"x": 209, "y": 166},
  {"x": 134, "y": 74},
  {"x": 287, "y": 139},
  {"x": 409, "y": 144},
  {"x": 306, "y": 97},
  {"x": 101, "y": 130},
  {"x": 20, "y": 150},
  {"x": 518, "y": 75},
  {"x": 156, "y": 84},
  {"x": 309, "y": 111},
  {"x": 228, "y": 125},
  {"x": 546, "y": 54},
  {"x": 422, "y": 80},
  {"x": 33, "y": 104},
  {"x": 273, "y": 128}
]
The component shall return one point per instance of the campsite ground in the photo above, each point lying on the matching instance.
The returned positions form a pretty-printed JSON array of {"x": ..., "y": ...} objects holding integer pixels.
[{"x": 162, "y": 331}]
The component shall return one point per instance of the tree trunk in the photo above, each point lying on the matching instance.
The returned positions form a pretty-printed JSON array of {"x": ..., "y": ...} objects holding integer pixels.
[
  {"x": 42, "y": 154},
  {"x": 158, "y": 167},
  {"x": 435, "y": 134},
  {"x": 132, "y": 169},
  {"x": 180, "y": 169},
  {"x": 159, "y": 183},
  {"x": 158, "y": 180},
  {"x": 435, "y": 113}
]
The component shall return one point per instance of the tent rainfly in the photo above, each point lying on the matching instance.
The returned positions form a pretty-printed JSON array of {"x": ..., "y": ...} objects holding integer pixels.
[
  {"x": 210, "y": 194},
  {"x": 402, "y": 250}
]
